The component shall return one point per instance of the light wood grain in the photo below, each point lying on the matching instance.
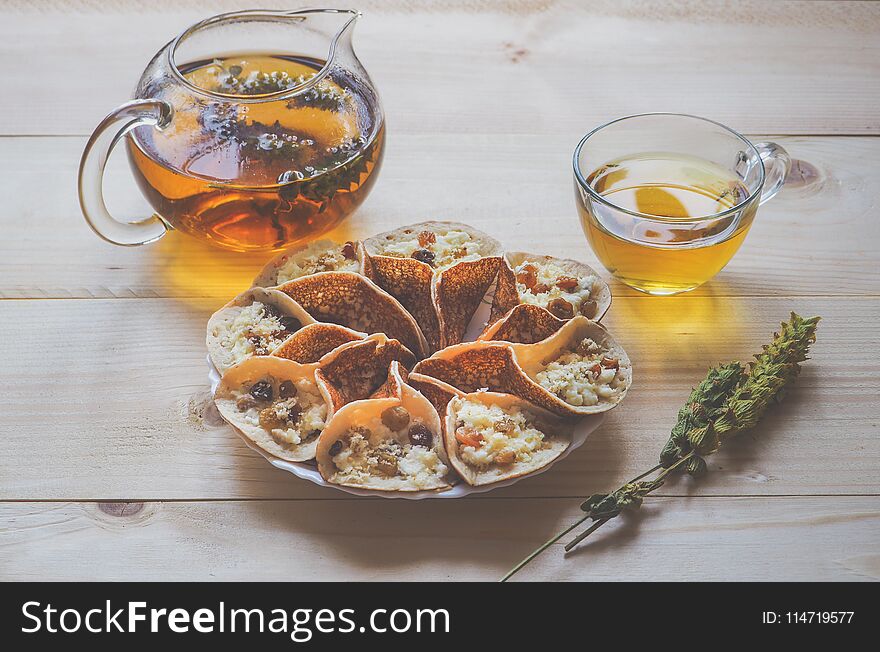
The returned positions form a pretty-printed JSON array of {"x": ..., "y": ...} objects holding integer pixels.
[
  {"x": 818, "y": 236},
  {"x": 789, "y": 538},
  {"x": 471, "y": 68},
  {"x": 106, "y": 399}
]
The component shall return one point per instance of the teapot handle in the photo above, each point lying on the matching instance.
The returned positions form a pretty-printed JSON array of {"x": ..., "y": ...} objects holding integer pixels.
[{"x": 91, "y": 173}]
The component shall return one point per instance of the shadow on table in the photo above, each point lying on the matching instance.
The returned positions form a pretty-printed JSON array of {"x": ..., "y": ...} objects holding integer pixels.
[{"x": 388, "y": 539}]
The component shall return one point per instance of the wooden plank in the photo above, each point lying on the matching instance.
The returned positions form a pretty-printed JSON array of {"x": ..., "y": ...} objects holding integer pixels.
[
  {"x": 670, "y": 539},
  {"x": 818, "y": 236},
  {"x": 513, "y": 67},
  {"x": 106, "y": 399}
]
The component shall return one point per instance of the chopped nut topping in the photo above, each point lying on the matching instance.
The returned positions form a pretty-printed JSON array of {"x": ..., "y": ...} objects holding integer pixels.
[
  {"x": 567, "y": 282},
  {"x": 467, "y": 436},
  {"x": 610, "y": 363},
  {"x": 539, "y": 288},
  {"x": 527, "y": 275},
  {"x": 505, "y": 426},
  {"x": 505, "y": 457},
  {"x": 427, "y": 238}
]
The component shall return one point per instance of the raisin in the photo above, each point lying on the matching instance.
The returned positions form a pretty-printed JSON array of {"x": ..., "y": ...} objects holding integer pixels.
[
  {"x": 424, "y": 256},
  {"x": 335, "y": 448},
  {"x": 269, "y": 419},
  {"x": 505, "y": 457},
  {"x": 286, "y": 389},
  {"x": 395, "y": 418},
  {"x": 387, "y": 463},
  {"x": 528, "y": 276},
  {"x": 505, "y": 426},
  {"x": 540, "y": 288},
  {"x": 566, "y": 282},
  {"x": 348, "y": 251},
  {"x": 426, "y": 238},
  {"x": 588, "y": 308},
  {"x": 561, "y": 308},
  {"x": 293, "y": 413},
  {"x": 421, "y": 435},
  {"x": 262, "y": 390}
]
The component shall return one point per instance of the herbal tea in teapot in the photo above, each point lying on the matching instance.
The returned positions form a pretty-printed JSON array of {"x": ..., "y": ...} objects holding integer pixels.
[
  {"x": 249, "y": 150},
  {"x": 301, "y": 165}
]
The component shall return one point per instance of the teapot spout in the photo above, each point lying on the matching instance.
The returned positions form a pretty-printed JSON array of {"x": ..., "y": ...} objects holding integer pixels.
[{"x": 334, "y": 26}]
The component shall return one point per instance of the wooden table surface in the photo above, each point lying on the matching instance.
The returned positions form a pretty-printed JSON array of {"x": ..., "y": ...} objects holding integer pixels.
[{"x": 113, "y": 465}]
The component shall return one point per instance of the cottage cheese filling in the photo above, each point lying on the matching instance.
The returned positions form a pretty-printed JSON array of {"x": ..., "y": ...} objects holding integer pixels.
[
  {"x": 258, "y": 329},
  {"x": 540, "y": 283},
  {"x": 584, "y": 376},
  {"x": 439, "y": 250},
  {"x": 488, "y": 434},
  {"x": 291, "y": 412},
  {"x": 316, "y": 258},
  {"x": 374, "y": 450}
]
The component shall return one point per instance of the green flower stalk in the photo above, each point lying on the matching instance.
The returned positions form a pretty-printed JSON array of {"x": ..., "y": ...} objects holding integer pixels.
[{"x": 730, "y": 400}]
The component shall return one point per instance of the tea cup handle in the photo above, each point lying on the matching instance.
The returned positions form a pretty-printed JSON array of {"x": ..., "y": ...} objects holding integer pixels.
[
  {"x": 777, "y": 164},
  {"x": 91, "y": 173}
]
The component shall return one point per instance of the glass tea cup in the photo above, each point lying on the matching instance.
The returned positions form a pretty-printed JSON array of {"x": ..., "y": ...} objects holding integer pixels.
[
  {"x": 252, "y": 130},
  {"x": 666, "y": 199}
]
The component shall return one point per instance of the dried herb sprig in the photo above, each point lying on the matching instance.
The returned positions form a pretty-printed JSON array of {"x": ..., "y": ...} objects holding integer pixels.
[{"x": 727, "y": 402}]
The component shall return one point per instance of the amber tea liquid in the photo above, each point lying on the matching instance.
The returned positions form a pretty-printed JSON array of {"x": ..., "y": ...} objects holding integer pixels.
[
  {"x": 672, "y": 252},
  {"x": 261, "y": 176}
]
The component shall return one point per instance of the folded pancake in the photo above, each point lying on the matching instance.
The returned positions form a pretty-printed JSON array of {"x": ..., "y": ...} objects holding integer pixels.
[
  {"x": 439, "y": 271},
  {"x": 277, "y": 404},
  {"x": 581, "y": 366},
  {"x": 311, "y": 343},
  {"x": 353, "y": 301},
  {"x": 254, "y": 323},
  {"x": 436, "y": 391},
  {"x": 491, "y": 437},
  {"x": 390, "y": 442},
  {"x": 578, "y": 370},
  {"x": 312, "y": 258},
  {"x": 357, "y": 370},
  {"x": 562, "y": 287},
  {"x": 525, "y": 323}
]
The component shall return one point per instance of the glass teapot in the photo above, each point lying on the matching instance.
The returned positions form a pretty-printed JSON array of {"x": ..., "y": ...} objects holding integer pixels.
[{"x": 252, "y": 130}]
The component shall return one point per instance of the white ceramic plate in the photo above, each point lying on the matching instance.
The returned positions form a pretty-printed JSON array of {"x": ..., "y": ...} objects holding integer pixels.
[{"x": 308, "y": 470}]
